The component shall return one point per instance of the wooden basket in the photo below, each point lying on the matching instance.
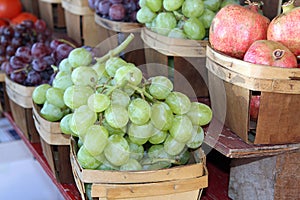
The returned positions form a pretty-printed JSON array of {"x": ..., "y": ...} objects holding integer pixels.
[
  {"x": 189, "y": 71},
  {"x": 20, "y": 100},
  {"x": 55, "y": 145},
  {"x": 183, "y": 182},
  {"x": 279, "y": 88},
  {"x": 31, "y": 6},
  {"x": 53, "y": 13},
  {"x": 116, "y": 32}
]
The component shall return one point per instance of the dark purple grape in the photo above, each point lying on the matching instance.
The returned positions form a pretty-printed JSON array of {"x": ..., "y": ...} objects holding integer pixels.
[
  {"x": 104, "y": 6},
  {"x": 61, "y": 52},
  {"x": 6, "y": 67},
  {"x": 10, "y": 50},
  {"x": 16, "y": 41},
  {"x": 40, "y": 25},
  {"x": 91, "y": 4},
  {"x": 54, "y": 43},
  {"x": 24, "y": 53},
  {"x": 116, "y": 1},
  {"x": 28, "y": 24},
  {"x": 2, "y": 50},
  {"x": 133, "y": 16},
  {"x": 4, "y": 41},
  {"x": 3, "y": 59},
  {"x": 49, "y": 60},
  {"x": 33, "y": 78},
  {"x": 39, "y": 64},
  {"x": 17, "y": 63},
  {"x": 8, "y": 31},
  {"x": 130, "y": 6},
  {"x": 117, "y": 12},
  {"x": 18, "y": 77},
  {"x": 40, "y": 49}
]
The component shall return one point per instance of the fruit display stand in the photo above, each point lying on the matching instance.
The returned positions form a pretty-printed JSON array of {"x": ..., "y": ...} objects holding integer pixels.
[
  {"x": 20, "y": 100},
  {"x": 182, "y": 182},
  {"x": 188, "y": 59},
  {"x": 116, "y": 32},
  {"x": 80, "y": 23},
  {"x": 55, "y": 145},
  {"x": 279, "y": 89},
  {"x": 53, "y": 13}
]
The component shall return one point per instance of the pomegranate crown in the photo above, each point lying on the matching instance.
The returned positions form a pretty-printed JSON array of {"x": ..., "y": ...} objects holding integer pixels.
[{"x": 254, "y": 6}]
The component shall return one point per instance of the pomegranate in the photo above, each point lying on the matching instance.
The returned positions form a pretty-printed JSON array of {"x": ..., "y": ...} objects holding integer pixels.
[
  {"x": 272, "y": 53},
  {"x": 254, "y": 107},
  {"x": 285, "y": 28},
  {"x": 235, "y": 28}
]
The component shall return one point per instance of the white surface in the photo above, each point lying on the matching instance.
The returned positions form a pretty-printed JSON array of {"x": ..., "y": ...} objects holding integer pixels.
[{"x": 22, "y": 177}]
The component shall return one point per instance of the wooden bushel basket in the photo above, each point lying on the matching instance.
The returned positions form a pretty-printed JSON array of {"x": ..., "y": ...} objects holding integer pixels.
[
  {"x": 55, "y": 145},
  {"x": 5, "y": 107},
  {"x": 20, "y": 100},
  {"x": 187, "y": 56},
  {"x": 31, "y": 6},
  {"x": 53, "y": 13},
  {"x": 279, "y": 111},
  {"x": 176, "y": 183}
]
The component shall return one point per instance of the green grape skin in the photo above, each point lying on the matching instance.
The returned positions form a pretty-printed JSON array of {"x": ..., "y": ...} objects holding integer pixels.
[
  {"x": 77, "y": 95},
  {"x": 157, "y": 165},
  {"x": 183, "y": 157},
  {"x": 207, "y": 17},
  {"x": 158, "y": 136},
  {"x": 172, "y": 146},
  {"x": 99, "y": 69},
  {"x": 111, "y": 130},
  {"x": 64, "y": 65},
  {"x": 213, "y": 5},
  {"x": 192, "y": 8},
  {"x": 142, "y": 3},
  {"x": 194, "y": 29},
  {"x": 227, "y": 2},
  {"x": 79, "y": 143},
  {"x": 160, "y": 87},
  {"x": 128, "y": 74},
  {"x": 119, "y": 97},
  {"x": 51, "y": 112},
  {"x": 165, "y": 22},
  {"x": 106, "y": 165},
  {"x": 62, "y": 80},
  {"x": 131, "y": 165},
  {"x": 85, "y": 76},
  {"x": 64, "y": 124},
  {"x": 157, "y": 151},
  {"x": 145, "y": 15},
  {"x": 181, "y": 129},
  {"x": 112, "y": 64},
  {"x": 154, "y": 5},
  {"x": 136, "y": 150},
  {"x": 197, "y": 138},
  {"x": 117, "y": 145},
  {"x": 98, "y": 102},
  {"x": 86, "y": 160},
  {"x": 139, "y": 111},
  {"x": 161, "y": 116},
  {"x": 177, "y": 33},
  {"x": 55, "y": 96},
  {"x": 81, "y": 120},
  {"x": 116, "y": 116},
  {"x": 172, "y": 5},
  {"x": 139, "y": 134},
  {"x": 200, "y": 114},
  {"x": 80, "y": 57},
  {"x": 39, "y": 93},
  {"x": 95, "y": 139},
  {"x": 178, "y": 102}
]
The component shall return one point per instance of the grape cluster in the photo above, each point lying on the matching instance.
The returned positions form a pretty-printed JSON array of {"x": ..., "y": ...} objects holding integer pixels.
[
  {"x": 186, "y": 19},
  {"x": 116, "y": 10},
  {"x": 123, "y": 120}
]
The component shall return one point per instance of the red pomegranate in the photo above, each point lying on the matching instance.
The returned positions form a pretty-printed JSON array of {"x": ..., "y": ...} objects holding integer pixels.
[
  {"x": 235, "y": 28},
  {"x": 254, "y": 107},
  {"x": 272, "y": 53},
  {"x": 285, "y": 28}
]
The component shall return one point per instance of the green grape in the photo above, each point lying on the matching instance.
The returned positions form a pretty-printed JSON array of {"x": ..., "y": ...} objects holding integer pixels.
[
  {"x": 177, "y": 33},
  {"x": 84, "y": 76},
  {"x": 160, "y": 87},
  {"x": 111, "y": 130},
  {"x": 142, "y": 3},
  {"x": 117, "y": 150},
  {"x": 181, "y": 129},
  {"x": 62, "y": 80},
  {"x": 79, "y": 143},
  {"x": 101, "y": 157},
  {"x": 99, "y": 68},
  {"x": 227, "y": 2},
  {"x": 158, "y": 136},
  {"x": 172, "y": 5},
  {"x": 145, "y": 15},
  {"x": 156, "y": 166},
  {"x": 119, "y": 97},
  {"x": 112, "y": 64},
  {"x": 192, "y": 8},
  {"x": 95, "y": 139},
  {"x": 199, "y": 114},
  {"x": 172, "y": 146},
  {"x": 128, "y": 74},
  {"x": 55, "y": 96},
  {"x": 81, "y": 120},
  {"x": 178, "y": 102},
  {"x": 106, "y": 165},
  {"x": 183, "y": 157},
  {"x": 157, "y": 151},
  {"x": 80, "y": 57},
  {"x": 116, "y": 116},
  {"x": 139, "y": 111},
  {"x": 77, "y": 95},
  {"x": 197, "y": 138},
  {"x": 86, "y": 160},
  {"x": 194, "y": 29},
  {"x": 136, "y": 150},
  {"x": 64, "y": 124},
  {"x": 128, "y": 90},
  {"x": 207, "y": 17},
  {"x": 161, "y": 116},
  {"x": 165, "y": 22},
  {"x": 64, "y": 65},
  {"x": 139, "y": 134},
  {"x": 154, "y": 5},
  {"x": 212, "y": 5},
  {"x": 98, "y": 102},
  {"x": 131, "y": 165},
  {"x": 39, "y": 93},
  {"x": 51, "y": 112}
]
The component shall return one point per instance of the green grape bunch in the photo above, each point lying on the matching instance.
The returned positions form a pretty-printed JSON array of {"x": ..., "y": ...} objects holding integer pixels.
[
  {"x": 121, "y": 119},
  {"x": 185, "y": 19}
]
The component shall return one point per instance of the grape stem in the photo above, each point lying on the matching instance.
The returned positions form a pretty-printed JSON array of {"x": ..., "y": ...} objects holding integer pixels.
[
  {"x": 142, "y": 91},
  {"x": 116, "y": 50}
]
